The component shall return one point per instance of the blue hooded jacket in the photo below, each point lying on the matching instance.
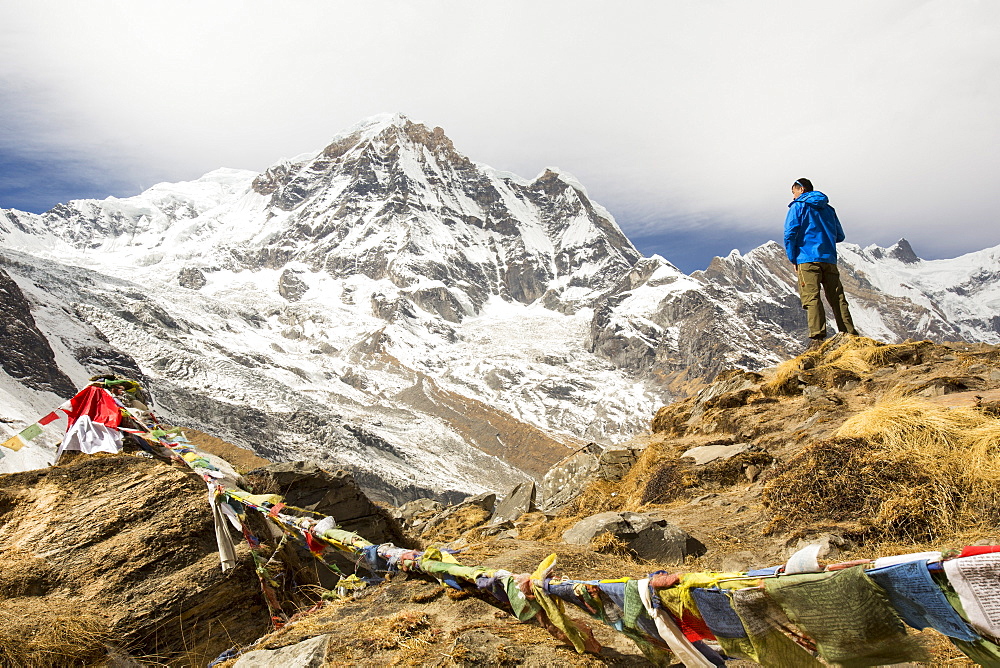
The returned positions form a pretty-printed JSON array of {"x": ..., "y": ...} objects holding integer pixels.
[{"x": 812, "y": 229}]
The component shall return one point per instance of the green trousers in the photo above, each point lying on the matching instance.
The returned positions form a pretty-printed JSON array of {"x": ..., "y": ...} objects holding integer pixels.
[{"x": 813, "y": 275}]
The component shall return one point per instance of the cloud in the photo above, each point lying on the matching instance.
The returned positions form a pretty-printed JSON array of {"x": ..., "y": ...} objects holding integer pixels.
[{"x": 685, "y": 116}]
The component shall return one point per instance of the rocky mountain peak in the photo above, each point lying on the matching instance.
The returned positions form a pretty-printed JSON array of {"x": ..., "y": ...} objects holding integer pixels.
[
  {"x": 395, "y": 200},
  {"x": 903, "y": 252},
  {"x": 378, "y": 140}
]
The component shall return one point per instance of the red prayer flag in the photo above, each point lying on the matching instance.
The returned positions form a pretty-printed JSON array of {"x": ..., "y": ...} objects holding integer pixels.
[
  {"x": 972, "y": 550},
  {"x": 96, "y": 403},
  {"x": 48, "y": 419}
]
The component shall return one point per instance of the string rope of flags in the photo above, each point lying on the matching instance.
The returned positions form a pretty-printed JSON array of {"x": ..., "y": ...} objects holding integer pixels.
[
  {"x": 33, "y": 431},
  {"x": 853, "y": 613},
  {"x": 797, "y": 614}
]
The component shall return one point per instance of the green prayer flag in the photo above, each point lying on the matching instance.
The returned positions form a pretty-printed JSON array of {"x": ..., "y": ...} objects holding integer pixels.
[
  {"x": 848, "y": 615},
  {"x": 523, "y": 608},
  {"x": 633, "y": 604},
  {"x": 30, "y": 432},
  {"x": 770, "y": 632}
]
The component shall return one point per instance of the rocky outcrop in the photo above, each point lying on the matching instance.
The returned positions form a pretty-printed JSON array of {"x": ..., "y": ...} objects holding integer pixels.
[
  {"x": 519, "y": 500},
  {"x": 308, "y": 486},
  {"x": 290, "y": 286},
  {"x": 649, "y": 535},
  {"x": 27, "y": 355},
  {"x": 424, "y": 517},
  {"x": 191, "y": 278},
  {"x": 133, "y": 539},
  {"x": 567, "y": 479}
]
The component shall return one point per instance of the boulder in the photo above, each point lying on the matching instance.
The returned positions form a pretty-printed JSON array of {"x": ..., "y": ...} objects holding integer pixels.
[
  {"x": 518, "y": 501},
  {"x": 309, "y": 653},
  {"x": 486, "y": 501},
  {"x": 290, "y": 286},
  {"x": 703, "y": 454},
  {"x": 414, "y": 515},
  {"x": 305, "y": 485},
  {"x": 591, "y": 527},
  {"x": 566, "y": 480},
  {"x": 649, "y": 535},
  {"x": 191, "y": 278},
  {"x": 614, "y": 463},
  {"x": 411, "y": 509}
]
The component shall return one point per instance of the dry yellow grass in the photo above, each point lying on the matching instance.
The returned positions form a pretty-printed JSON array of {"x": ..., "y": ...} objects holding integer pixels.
[
  {"x": 241, "y": 459},
  {"x": 608, "y": 543},
  {"x": 653, "y": 475},
  {"x": 39, "y": 633},
  {"x": 857, "y": 355},
  {"x": 783, "y": 377},
  {"x": 904, "y": 469},
  {"x": 457, "y": 523}
]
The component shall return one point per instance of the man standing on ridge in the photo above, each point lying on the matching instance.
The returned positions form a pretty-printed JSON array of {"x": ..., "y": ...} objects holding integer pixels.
[{"x": 812, "y": 231}]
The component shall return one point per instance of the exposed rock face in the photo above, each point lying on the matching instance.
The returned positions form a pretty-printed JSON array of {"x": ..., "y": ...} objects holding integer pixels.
[
  {"x": 391, "y": 200},
  {"x": 567, "y": 479},
  {"x": 518, "y": 501},
  {"x": 649, "y": 535},
  {"x": 705, "y": 454},
  {"x": 305, "y": 485},
  {"x": 290, "y": 286},
  {"x": 27, "y": 355},
  {"x": 697, "y": 326},
  {"x": 306, "y": 654},
  {"x": 191, "y": 278},
  {"x": 134, "y": 539}
]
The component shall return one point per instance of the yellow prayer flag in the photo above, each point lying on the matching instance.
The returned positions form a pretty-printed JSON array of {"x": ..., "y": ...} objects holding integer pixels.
[
  {"x": 545, "y": 567},
  {"x": 14, "y": 443}
]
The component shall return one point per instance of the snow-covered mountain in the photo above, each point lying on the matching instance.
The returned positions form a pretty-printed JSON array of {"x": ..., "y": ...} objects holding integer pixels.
[
  {"x": 385, "y": 305},
  {"x": 744, "y": 311},
  {"x": 392, "y": 307}
]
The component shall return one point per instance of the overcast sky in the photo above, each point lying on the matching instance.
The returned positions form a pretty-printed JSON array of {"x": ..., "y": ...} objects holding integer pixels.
[{"x": 688, "y": 119}]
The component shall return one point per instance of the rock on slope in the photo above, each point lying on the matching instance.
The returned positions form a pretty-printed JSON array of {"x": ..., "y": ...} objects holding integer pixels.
[
  {"x": 128, "y": 545},
  {"x": 131, "y": 541}
]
